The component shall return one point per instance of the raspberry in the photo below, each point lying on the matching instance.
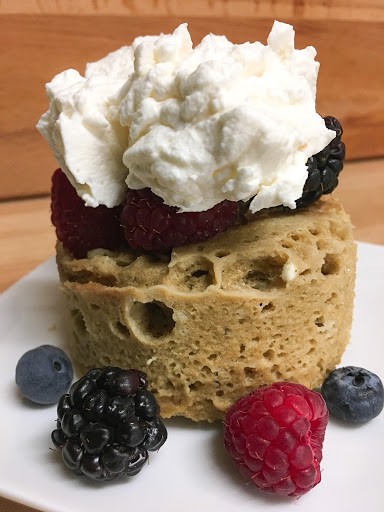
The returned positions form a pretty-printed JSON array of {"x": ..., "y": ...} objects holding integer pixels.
[
  {"x": 107, "y": 423},
  {"x": 324, "y": 167},
  {"x": 151, "y": 225},
  {"x": 275, "y": 437},
  {"x": 81, "y": 228}
]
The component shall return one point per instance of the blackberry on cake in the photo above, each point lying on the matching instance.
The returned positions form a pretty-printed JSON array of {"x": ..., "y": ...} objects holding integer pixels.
[{"x": 324, "y": 167}]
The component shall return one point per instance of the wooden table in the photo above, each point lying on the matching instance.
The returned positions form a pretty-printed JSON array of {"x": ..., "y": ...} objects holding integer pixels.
[{"x": 27, "y": 237}]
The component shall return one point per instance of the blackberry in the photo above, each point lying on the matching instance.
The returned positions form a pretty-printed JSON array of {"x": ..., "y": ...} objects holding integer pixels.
[
  {"x": 107, "y": 423},
  {"x": 324, "y": 167}
]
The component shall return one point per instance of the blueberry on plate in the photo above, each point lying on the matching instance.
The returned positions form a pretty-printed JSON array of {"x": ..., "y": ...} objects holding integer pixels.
[
  {"x": 43, "y": 374},
  {"x": 353, "y": 394}
]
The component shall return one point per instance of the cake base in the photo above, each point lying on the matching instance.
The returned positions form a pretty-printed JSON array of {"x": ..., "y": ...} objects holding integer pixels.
[{"x": 270, "y": 300}]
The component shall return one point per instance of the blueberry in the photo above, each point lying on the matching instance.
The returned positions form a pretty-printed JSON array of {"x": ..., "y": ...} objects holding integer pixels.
[
  {"x": 43, "y": 374},
  {"x": 353, "y": 394}
]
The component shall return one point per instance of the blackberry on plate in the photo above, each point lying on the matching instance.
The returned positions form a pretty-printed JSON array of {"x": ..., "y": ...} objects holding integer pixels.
[
  {"x": 107, "y": 423},
  {"x": 324, "y": 167},
  {"x": 353, "y": 394},
  {"x": 43, "y": 374}
]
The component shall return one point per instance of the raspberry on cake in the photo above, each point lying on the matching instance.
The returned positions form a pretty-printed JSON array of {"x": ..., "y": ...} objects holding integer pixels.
[
  {"x": 79, "y": 228},
  {"x": 224, "y": 268},
  {"x": 151, "y": 225}
]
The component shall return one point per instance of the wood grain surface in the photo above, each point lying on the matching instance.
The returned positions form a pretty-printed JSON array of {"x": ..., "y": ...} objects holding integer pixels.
[
  {"x": 39, "y": 44},
  {"x": 299, "y": 9}
]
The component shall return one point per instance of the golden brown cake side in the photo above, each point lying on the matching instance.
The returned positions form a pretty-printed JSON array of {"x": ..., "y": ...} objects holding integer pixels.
[{"x": 269, "y": 300}]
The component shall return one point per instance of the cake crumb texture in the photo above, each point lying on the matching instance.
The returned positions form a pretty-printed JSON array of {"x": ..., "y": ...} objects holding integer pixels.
[{"x": 270, "y": 300}]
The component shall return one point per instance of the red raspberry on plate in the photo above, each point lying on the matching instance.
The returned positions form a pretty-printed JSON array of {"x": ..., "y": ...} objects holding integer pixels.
[
  {"x": 151, "y": 225},
  {"x": 275, "y": 437},
  {"x": 81, "y": 228}
]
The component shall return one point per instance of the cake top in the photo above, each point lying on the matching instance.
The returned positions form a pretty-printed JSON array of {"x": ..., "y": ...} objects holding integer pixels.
[{"x": 196, "y": 125}]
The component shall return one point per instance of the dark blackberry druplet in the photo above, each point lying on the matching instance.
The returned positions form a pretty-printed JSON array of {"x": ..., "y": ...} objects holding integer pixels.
[
  {"x": 107, "y": 423},
  {"x": 324, "y": 167}
]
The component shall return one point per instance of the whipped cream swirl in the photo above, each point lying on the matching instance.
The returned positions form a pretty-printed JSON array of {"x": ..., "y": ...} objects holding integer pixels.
[{"x": 195, "y": 124}]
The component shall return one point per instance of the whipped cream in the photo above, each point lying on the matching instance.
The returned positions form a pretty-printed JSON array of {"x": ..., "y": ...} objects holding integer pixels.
[{"x": 196, "y": 125}]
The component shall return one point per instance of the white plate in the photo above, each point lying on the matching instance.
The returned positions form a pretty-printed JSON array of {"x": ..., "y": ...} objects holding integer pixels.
[{"x": 191, "y": 472}]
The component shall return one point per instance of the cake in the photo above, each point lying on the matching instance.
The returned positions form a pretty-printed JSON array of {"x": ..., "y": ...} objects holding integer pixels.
[
  {"x": 265, "y": 298},
  {"x": 270, "y": 300}
]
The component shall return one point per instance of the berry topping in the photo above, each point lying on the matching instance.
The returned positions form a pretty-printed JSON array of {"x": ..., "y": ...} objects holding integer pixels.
[
  {"x": 151, "y": 225},
  {"x": 275, "y": 437},
  {"x": 324, "y": 167},
  {"x": 107, "y": 423},
  {"x": 353, "y": 394},
  {"x": 43, "y": 374},
  {"x": 81, "y": 228}
]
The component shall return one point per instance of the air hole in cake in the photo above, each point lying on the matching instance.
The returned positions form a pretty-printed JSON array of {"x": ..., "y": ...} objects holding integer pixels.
[
  {"x": 220, "y": 392},
  {"x": 78, "y": 321},
  {"x": 332, "y": 298},
  {"x": 121, "y": 329},
  {"x": 305, "y": 272},
  {"x": 85, "y": 277},
  {"x": 250, "y": 373},
  {"x": 265, "y": 273},
  {"x": 314, "y": 231},
  {"x": 269, "y": 354},
  {"x": 205, "y": 369},
  {"x": 267, "y": 307},
  {"x": 200, "y": 273},
  {"x": 276, "y": 372},
  {"x": 195, "y": 386},
  {"x": 222, "y": 254},
  {"x": 153, "y": 318},
  {"x": 95, "y": 307},
  {"x": 319, "y": 321},
  {"x": 125, "y": 260},
  {"x": 193, "y": 276},
  {"x": 331, "y": 265},
  {"x": 212, "y": 357},
  {"x": 242, "y": 348},
  {"x": 286, "y": 245},
  {"x": 158, "y": 258}
]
